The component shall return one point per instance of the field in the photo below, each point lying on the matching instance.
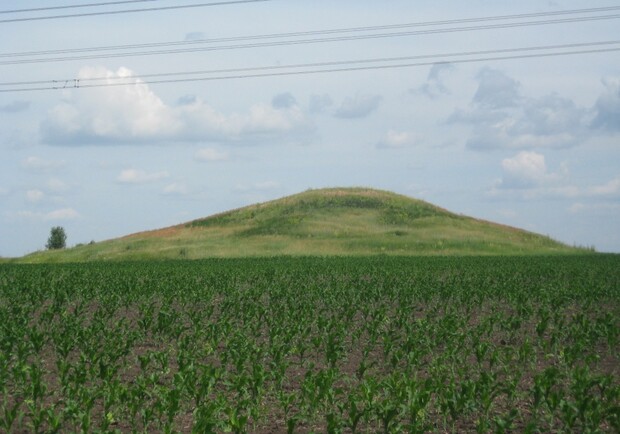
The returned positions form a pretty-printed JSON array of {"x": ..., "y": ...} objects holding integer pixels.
[{"x": 382, "y": 344}]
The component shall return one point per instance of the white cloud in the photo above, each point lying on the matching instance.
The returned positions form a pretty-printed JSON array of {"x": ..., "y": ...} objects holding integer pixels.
[
  {"x": 59, "y": 214},
  {"x": 496, "y": 90},
  {"x": 434, "y": 85},
  {"x": 195, "y": 36},
  {"x": 258, "y": 186},
  {"x": 135, "y": 114},
  {"x": 527, "y": 176},
  {"x": 525, "y": 169},
  {"x": 15, "y": 107},
  {"x": 528, "y": 170},
  {"x": 56, "y": 185},
  {"x": 608, "y": 189},
  {"x": 607, "y": 107},
  {"x": 119, "y": 113},
  {"x": 34, "y": 195},
  {"x": 319, "y": 103},
  {"x": 210, "y": 154},
  {"x": 359, "y": 106},
  {"x": 4, "y": 191},
  {"x": 134, "y": 176},
  {"x": 565, "y": 191},
  {"x": 577, "y": 207},
  {"x": 283, "y": 101},
  {"x": 502, "y": 118},
  {"x": 175, "y": 189},
  {"x": 62, "y": 214},
  {"x": 580, "y": 207},
  {"x": 36, "y": 163},
  {"x": 398, "y": 139},
  {"x": 550, "y": 115}
]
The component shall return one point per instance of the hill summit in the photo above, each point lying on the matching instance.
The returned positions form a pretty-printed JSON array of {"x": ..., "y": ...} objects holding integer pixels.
[{"x": 324, "y": 222}]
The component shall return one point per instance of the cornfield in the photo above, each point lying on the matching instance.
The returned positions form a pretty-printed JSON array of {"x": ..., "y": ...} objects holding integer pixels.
[{"x": 355, "y": 345}]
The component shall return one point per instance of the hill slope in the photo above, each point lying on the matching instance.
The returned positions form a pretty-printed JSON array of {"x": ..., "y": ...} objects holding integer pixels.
[{"x": 337, "y": 221}]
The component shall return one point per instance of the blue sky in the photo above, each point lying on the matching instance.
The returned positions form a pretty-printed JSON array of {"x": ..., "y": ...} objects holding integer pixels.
[{"x": 532, "y": 143}]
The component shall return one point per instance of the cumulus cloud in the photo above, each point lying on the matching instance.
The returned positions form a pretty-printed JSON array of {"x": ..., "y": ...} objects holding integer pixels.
[
  {"x": 40, "y": 164},
  {"x": 34, "y": 195},
  {"x": 55, "y": 215},
  {"x": 195, "y": 36},
  {"x": 257, "y": 186},
  {"x": 62, "y": 214},
  {"x": 210, "y": 154},
  {"x": 175, "y": 189},
  {"x": 283, "y": 101},
  {"x": 123, "y": 113},
  {"x": 526, "y": 169},
  {"x": 15, "y": 107},
  {"x": 358, "y": 106},
  {"x": 580, "y": 207},
  {"x": 397, "y": 139},
  {"x": 135, "y": 114},
  {"x": 496, "y": 89},
  {"x": 527, "y": 176},
  {"x": 52, "y": 192},
  {"x": 134, "y": 176},
  {"x": 502, "y": 118},
  {"x": 434, "y": 85},
  {"x": 550, "y": 121},
  {"x": 56, "y": 185},
  {"x": 607, "y": 107},
  {"x": 187, "y": 100},
  {"x": 610, "y": 188},
  {"x": 319, "y": 103},
  {"x": 577, "y": 207}
]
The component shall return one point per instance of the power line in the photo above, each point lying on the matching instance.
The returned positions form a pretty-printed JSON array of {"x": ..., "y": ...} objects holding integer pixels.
[
  {"x": 366, "y": 68},
  {"x": 311, "y": 32},
  {"x": 127, "y": 11},
  {"x": 443, "y": 58},
  {"x": 311, "y": 41},
  {"x": 319, "y": 64},
  {"x": 89, "y": 5}
]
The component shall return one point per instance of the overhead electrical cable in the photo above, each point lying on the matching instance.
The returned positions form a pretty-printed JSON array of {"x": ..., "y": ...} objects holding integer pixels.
[
  {"x": 309, "y": 33},
  {"x": 307, "y": 41},
  {"x": 251, "y": 72},
  {"x": 128, "y": 11},
  {"x": 88, "y": 5},
  {"x": 317, "y": 64}
]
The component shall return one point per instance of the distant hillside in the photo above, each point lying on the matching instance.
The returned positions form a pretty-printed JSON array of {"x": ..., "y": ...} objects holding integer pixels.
[{"x": 335, "y": 221}]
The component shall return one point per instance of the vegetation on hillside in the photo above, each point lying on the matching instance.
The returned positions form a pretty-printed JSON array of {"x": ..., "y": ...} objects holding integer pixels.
[
  {"x": 326, "y": 222},
  {"x": 284, "y": 215}
]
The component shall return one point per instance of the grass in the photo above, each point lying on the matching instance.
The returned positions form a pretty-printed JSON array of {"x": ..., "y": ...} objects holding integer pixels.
[{"x": 327, "y": 222}]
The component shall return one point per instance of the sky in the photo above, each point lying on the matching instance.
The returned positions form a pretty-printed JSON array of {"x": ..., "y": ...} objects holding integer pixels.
[{"x": 528, "y": 142}]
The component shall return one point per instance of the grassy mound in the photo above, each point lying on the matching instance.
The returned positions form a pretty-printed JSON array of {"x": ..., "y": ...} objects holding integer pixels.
[{"x": 325, "y": 222}]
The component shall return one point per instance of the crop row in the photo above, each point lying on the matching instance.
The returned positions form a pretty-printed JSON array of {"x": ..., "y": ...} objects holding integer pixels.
[{"x": 312, "y": 345}]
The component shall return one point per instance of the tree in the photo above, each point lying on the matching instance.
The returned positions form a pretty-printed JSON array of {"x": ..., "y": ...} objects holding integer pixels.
[{"x": 57, "y": 239}]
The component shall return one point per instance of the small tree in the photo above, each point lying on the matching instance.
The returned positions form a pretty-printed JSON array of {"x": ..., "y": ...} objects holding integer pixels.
[{"x": 57, "y": 239}]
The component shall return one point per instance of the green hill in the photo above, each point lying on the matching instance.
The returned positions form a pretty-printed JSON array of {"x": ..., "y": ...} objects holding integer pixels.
[{"x": 337, "y": 221}]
